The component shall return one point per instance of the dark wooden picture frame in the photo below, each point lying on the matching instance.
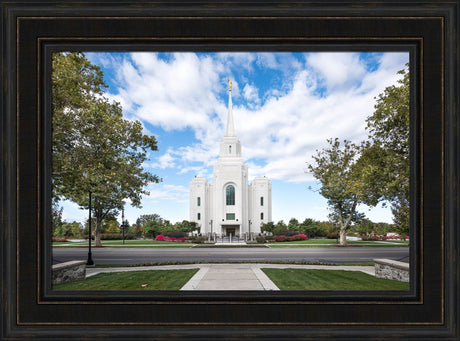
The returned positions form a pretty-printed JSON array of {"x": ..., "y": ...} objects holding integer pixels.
[{"x": 32, "y": 31}]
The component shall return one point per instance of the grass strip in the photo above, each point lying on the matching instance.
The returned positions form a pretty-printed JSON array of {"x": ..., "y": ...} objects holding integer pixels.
[
  {"x": 132, "y": 280},
  {"x": 303, "y": 279},
  {"x": 226, "y": 262}
]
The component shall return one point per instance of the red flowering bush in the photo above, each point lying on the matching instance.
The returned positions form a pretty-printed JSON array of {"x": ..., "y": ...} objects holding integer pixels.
[
  {"x": 162, "y": 238},
  {"x": 300, "y": 236},
  {"x": 282, "y": 239},
  {"x": 296, "y": 237},
  {"x": 173, "y": 239}
]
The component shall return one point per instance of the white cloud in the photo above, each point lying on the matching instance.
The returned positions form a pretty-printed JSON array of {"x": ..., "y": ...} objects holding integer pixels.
[
  {"x": 337, "y": 69},
  {"x": 280, "y": 127},
  {"x": 251, "y": 93},
  {"x": 160, "y": 192},
  {"x": 164, "y": 161}
]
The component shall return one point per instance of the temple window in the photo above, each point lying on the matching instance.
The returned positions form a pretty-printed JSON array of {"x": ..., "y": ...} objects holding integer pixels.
[{"x": 230, "y": 195}]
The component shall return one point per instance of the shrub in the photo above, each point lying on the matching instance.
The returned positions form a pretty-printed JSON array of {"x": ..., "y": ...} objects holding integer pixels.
[
  {"x": 296, "y": 237},
  {"x": 281, "y": 239},
  {"x": 332, "y": 235},
  {"x": 59, "y": 239},
  {"x": 197, "y": 239},
  {"x": 261, "y": 239},
  {"x": 175, "y": 234},
  {"x": 160, "y": 238},
  {"x": 315, "y": 231},
  {"x": 269, "y": 239},
  {"x": 287, "y": 233},
  {"x": 112, "y": 236},
  {"x": 375, "y": 237},
  {"x": 116, "y": 236},
  {"x": 169, "y": 239},
  {"x": 300, "y": 236}
]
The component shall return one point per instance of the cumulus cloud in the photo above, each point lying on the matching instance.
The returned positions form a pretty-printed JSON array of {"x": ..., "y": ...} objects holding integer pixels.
[
  {"x": 164, "y": 161},
  {"x": 280, "y": 121},
  {"x": 160, "y": 192},
  {"x": 251, "y": 93}
]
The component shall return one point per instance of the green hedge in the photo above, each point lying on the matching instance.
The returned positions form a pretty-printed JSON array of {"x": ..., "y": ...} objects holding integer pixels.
[{"x": 113, "y": 236}]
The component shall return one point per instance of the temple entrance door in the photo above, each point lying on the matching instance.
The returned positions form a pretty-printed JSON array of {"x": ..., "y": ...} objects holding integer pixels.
[{"x": 234, "y": 230}]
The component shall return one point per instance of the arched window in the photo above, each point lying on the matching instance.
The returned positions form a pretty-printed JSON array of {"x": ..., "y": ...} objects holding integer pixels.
[
  {"x": 230, "y": 195},
  {"x": 262, "y": 216},
  {"x": 229, "y": 149}
]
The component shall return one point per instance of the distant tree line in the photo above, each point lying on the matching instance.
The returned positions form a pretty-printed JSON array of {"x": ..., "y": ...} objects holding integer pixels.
[
  {"x": 151, "y": 225},
  {"x": 316, "y": 229},
  {"x": 146, "y": 226}
]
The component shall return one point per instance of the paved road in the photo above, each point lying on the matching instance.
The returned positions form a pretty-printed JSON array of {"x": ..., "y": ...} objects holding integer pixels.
[{"x": 124, "y": 256}]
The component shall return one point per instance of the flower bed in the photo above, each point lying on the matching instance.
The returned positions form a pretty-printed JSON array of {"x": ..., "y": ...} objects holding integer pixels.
[
  {"x": 162, "y": 238},
  {"x": 297, "y": 237},
  {"x": 378, "y": 237},
  {"x": 197, "y": 239}
]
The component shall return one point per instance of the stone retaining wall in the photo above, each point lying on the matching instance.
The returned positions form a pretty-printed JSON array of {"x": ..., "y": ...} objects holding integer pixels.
[
  {"x": 69, "y": 271},
  {"x": 391, "y": 269}
]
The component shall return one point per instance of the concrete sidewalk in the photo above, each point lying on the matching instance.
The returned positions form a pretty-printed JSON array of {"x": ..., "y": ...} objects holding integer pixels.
[{"x": 230, "y": 276}]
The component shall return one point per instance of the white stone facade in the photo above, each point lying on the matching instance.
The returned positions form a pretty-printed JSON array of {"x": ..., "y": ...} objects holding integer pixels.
[{"x": 230, "y": 205}]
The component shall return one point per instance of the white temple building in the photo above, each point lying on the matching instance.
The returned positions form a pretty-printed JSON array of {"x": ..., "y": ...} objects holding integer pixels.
[{"x": 230, "y": 205}]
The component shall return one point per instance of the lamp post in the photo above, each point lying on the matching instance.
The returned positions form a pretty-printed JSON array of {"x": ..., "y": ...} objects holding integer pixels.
[
  {"x": 211, "y": 230},
  {"x": 123, "y": 225},
  {"x": 250, "y": 222},
  {"x": 90, "y": 260}
]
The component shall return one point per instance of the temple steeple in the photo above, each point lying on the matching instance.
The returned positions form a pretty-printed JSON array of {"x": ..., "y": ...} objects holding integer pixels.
[
  {"x": 230, "y": 145},
  {"x": 230, "y": 125}
]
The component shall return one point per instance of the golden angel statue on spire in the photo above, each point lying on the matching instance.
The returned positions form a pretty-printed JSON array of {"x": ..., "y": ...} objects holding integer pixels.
[{"x": 229, "y": 84}]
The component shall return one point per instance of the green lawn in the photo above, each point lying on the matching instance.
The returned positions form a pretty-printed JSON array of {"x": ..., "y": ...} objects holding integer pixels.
[
  {"x": 128, "y": 243},
  {"x": 303, "y": 279},
  {"x": 132, "y": 280},
  {"x": 333, "y": 243}
]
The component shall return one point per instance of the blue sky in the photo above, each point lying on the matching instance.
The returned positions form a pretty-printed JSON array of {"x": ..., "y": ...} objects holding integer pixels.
[{"x": 286, "y": 105}]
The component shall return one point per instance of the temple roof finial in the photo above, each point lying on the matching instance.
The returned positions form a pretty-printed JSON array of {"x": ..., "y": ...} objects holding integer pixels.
[{"x": 230, "y": 125}]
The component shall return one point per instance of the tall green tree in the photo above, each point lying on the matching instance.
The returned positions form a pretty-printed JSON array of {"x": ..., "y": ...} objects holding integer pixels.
[
  {"x": 388, "y": 129},
  {"x": 268, "y": 227},
  {"x": 146, "y": 218},
  {"x": 186, "y": 226},
  {"x": 94, "y": 148},
  {"x": 341, "y": 171},
  {"x": 293, "y": 224},
  {"x": 56, "y": 214}
]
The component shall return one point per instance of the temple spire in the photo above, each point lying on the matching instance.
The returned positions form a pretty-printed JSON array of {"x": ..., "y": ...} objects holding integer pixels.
[{"x": 230, "y": 125}]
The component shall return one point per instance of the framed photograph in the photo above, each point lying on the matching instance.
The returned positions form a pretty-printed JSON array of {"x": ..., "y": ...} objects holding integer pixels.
[{"x": 137, "y": 34}]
